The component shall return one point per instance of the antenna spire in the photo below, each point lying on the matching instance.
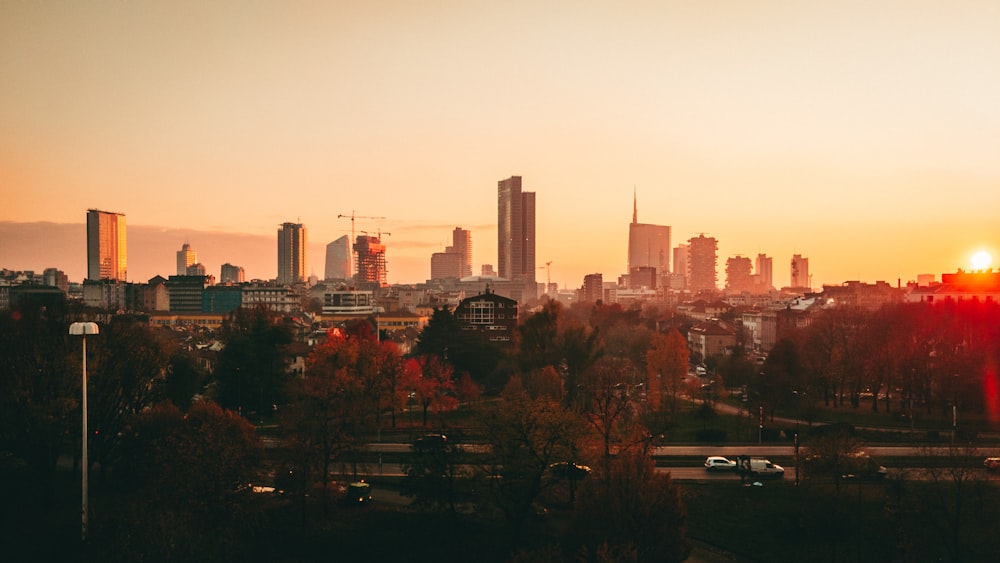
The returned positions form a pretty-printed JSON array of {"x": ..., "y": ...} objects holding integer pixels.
[{"x": 635, "y": 206}]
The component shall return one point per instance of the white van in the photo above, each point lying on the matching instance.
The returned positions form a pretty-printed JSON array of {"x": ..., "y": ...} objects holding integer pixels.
[{"x": 759, "y": 467}]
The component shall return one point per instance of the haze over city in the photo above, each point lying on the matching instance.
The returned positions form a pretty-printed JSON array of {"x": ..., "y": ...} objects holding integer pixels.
[{"x": 862, "y": 137}]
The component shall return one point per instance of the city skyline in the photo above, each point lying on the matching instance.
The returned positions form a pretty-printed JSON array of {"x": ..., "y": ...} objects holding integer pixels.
[{"x": 862, "y": 137}]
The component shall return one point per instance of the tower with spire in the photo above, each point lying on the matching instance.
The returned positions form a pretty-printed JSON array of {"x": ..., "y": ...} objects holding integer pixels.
[{"x": 648, "y": 245}]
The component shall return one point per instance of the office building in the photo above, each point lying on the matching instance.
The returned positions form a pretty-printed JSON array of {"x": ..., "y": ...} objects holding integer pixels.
[
  {"x": 231, "y": 274},
  {"x": 764, "y": 273},
  {"x": 678, "y": 278},
  {"x": 185, "y": 258},
  {"x": 338, "y": 259},
  {"x": 446, "y": 265},
  {"x": 370, "y": 258},
  {"x": 593, "y": 288},
  {"x": 648, "y": 245},
  {"x": 107, "y": 256},
  {"x": 702, "y": 263},
  {"x": 800, "y": 272},
  {"x": 515, "y": 231},
  {"x": 291, "y": 253},
  {"x": 461, "y": 244}
]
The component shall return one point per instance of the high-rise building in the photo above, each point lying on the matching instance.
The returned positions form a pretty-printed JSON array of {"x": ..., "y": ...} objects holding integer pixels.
[
  {"x": 678, "y": 278},
  {"x": 648, "y": 245},
  {"x": 800, "y": 271},
  {"x": 291, "y": 253},
  {"x": 195, "y": 269},
  {"x": 702, "y": 263},
  {"x": 338, "y": 259},
  {"x": 765, "y": 272},
  {"x": 515, "y": 230},
  {"x": 461, "y": 244},
  {"x": 231, "y": 274},
  {"x": 370, "y": 253},
  {"x": 185, "y": 258},
  {"x": 738, "y": 275},
  {"x": 446, "y": 265},
  {"x": 593, "y": 288},
  {"x": 107, "y": 256}
]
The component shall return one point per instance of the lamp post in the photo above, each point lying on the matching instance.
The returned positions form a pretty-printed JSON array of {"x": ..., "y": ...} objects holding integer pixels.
[{"x": 83, "y": 329}]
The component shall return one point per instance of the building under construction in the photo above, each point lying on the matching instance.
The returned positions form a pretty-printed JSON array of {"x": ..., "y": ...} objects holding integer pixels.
[{"x": 369, "y": 255}]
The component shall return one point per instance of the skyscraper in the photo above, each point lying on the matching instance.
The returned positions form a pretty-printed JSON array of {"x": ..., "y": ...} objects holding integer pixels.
[
  {"x": 338, "y": 259},
  {"x": 701, "y": 263},
  {"x": 107, "y": 256},
  {"x": 231, "y": 274},
  {"x": 185, "y": 257},
  {"x": 370, "y": 254},
  {"x": 291, "y": 253},
  {"x": 738, "y": 275},
  {"x": 515, "y": 230},
  {"x": 461, "y": 244},
  {"x": 765, "y": 272},
  {"x": 648, "y": 245},
  {"x": 800, "y": 271}
]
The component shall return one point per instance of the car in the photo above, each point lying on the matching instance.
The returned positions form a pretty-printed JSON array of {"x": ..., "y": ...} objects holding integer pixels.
[
  {"x": 719, "y": 463},
  {"x": 430, "y": 442},
  {"x": 358, "y": 492},
  {"x": 992, "y": 463}
]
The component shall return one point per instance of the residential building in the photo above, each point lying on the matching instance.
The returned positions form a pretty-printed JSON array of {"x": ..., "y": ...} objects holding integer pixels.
[
  {"x": 961, "y": 286},
  {"x": 738, "y": 275},
  {"x": 702, "y": 263},
  {"x": 291, "y": 253},
  {"x": 185, "y": 258},
  {"x": 338, "y": 259},
  {"x": 491, "y": 315},
  {"x": 107, "y": 253},
  {"x": 515, "y": 230},
  {"x": 593, "y": 288},
  {"x": 709, "y": 339}
]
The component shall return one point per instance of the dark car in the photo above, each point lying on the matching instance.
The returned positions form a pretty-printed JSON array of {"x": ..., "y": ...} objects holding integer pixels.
[
  {"x": 430, "y": 442},
  {"x": 992, "y": 463}
]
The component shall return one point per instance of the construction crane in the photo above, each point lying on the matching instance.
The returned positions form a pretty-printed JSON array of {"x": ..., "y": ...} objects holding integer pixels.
[
  {"x": 352, "y": 217},
  {"x": 548, "y": 275}
]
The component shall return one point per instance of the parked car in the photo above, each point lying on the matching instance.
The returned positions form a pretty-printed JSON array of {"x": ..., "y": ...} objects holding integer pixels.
[
  {"x": 992, "y": 463},
  {"x": 719, "y": 463}
]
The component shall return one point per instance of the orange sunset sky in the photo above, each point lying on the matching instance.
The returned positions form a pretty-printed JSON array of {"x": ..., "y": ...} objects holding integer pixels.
[{"x": 864, "y": 135}]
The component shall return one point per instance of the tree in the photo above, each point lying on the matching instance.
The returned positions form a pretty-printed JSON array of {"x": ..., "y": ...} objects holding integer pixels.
[
  {"x": 430, "y": 382},
  {"x": 630, "y": 510},
  {"x": 39, "y": 388},
  {"x": 251, "y": 369},
  {"x": 609, "y": 407},
  {"x": 183, "y": 487},
  {"x": 667, "y": 365},
  {"x": 128, "y": 366},
  {"x": 525, "y": 436}
]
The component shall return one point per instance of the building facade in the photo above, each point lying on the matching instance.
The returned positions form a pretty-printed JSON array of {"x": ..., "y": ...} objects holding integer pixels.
[
  {"x": 231, "y": 274},
  {"x": 515, "y": 230},
  {"x": 446, "y": 265},
  {"x": 648, "y": 245},
  {"x": 107, "y": 252},
  {"x": 491, "y": 315},
  {"x": 186, "y": 257},
  {"x": 461, "y": 244},
  {"x": 800, "y": 272},
  {"x": 702, "y": 263},
  {"x": 739, "y": 277},
  {"x": 764, "y": 275},
  {"x": 370, "y": 254},
  {"x": 338, "y": 259},
  {"x": 291, "y": 253}
]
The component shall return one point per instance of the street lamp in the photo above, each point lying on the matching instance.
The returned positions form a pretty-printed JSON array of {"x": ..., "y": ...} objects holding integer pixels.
[{"x": 83, "y": 329}]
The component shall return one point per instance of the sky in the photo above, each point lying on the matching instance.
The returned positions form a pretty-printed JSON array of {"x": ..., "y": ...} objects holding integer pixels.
[{"x": 863, "y": 135}]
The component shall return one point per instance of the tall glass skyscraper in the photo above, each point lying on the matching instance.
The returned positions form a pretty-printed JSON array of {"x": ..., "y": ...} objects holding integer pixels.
[
  {"x": 338, "y": 259},
  {"x": 648, "y": 245},
  {"x": 515, "y": 230},
  {"x": 107, "y": 256},
  {"x": 291, "y": 253}
]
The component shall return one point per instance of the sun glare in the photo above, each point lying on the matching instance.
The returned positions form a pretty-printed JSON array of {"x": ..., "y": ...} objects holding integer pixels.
[{"x": 981, "y": 260}]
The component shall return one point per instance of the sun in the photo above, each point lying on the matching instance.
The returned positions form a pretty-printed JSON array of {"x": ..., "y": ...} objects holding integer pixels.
[{"x": 981, "y": 260}]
